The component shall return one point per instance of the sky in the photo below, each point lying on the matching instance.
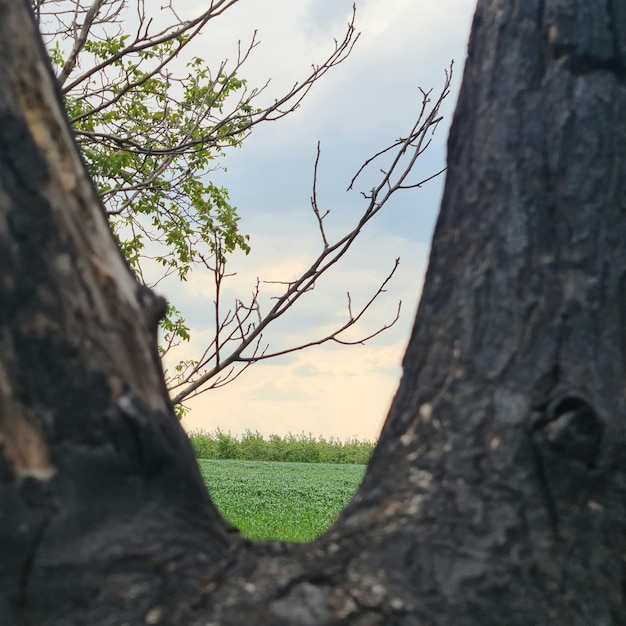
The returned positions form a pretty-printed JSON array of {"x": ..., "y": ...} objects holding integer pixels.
[{"x": 357, "y": 109}]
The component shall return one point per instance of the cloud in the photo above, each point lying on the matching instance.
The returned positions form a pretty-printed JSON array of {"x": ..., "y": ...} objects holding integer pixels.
[
  {"x": 378, "y": 17},
  {"x": 356, "y": 110},
  {"x": 324, "y": 17},
  {"x": 272, "y": 391},
  {"x": 348, "y": 398},
  {"x": 307, "y": 369}
]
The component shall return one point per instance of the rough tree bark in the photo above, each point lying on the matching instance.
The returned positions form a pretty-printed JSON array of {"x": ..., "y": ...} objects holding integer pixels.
[{"x": 497, "y": 493}]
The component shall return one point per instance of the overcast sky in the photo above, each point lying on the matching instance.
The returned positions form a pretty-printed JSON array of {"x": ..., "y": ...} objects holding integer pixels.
[{"x": 357, "y": 109}]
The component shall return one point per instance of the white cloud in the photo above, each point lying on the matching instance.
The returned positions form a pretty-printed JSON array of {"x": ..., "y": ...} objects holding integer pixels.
[
  {"x": 271, "y": 391},
  {"x": 348, "y": 396},
  {"x": 308, "y": 370},
  {"x": 378, "y": 18}
]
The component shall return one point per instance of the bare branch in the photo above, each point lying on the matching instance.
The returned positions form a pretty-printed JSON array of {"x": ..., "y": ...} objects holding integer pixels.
[
  {"x": 352, "y": 321},
  {"x": 143, "y": 41},
  {"x": 393, "y": 179},
  {"x": 80, "y": 40},
  {"x": 314, "y": 205}
]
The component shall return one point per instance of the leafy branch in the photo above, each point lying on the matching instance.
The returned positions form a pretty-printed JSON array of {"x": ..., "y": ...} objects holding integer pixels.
[{"x": 151, "y": 132}]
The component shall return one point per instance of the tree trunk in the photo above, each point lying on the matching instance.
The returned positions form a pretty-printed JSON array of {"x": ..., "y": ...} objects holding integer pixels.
[{"x": 497, "y": 493}]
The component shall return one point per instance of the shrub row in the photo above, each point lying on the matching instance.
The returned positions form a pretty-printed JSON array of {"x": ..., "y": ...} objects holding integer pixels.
[{"x": 302, "y": 448}]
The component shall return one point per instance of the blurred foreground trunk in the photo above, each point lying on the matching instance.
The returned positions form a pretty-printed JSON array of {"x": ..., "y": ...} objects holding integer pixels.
[{"x": 497, "y": 493}]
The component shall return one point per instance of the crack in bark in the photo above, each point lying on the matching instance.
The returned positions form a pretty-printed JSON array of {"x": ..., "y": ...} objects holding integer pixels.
[
  {"x": 612, "y": 20},
  {"x": 22, "y": 600},
  {"x": 540, "y": 470},
  {"x": 577, "y": 62},
  {"x": 584, "y": 64},
  {"x": 544, "y": 44}
]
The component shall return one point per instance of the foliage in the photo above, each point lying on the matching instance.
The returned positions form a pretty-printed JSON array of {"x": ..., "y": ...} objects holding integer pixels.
[
  {"x": 158, "y": 201},
  {"x": 149, "y": 138},
  {"x": 302, "y": 448},
  {"x": 284, "y": 501}
]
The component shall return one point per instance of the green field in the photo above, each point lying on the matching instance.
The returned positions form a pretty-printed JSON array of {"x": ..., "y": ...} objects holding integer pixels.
[{"x": 277, "y": 500}]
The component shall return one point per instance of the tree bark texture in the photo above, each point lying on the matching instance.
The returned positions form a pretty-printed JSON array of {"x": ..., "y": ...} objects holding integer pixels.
[{"x": 497, "y": 493}]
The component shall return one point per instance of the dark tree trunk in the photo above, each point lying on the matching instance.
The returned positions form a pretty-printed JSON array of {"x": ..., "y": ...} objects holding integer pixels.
[{"x": 497, "y": 494}]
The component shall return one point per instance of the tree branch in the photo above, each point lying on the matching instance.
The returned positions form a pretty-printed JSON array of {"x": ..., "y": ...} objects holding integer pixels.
[{"x": 393, "y": 179}]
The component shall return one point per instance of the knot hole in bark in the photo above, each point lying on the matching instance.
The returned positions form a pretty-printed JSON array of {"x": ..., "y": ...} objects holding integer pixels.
[{"x": 574, "y": 430}]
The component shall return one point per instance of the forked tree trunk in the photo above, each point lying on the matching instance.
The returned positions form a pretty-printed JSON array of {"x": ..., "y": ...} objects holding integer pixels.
[{"x": 497, "y": 493}]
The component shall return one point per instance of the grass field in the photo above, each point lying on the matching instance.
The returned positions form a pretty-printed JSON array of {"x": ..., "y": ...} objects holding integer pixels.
[{"x": 278, "y": 500}]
